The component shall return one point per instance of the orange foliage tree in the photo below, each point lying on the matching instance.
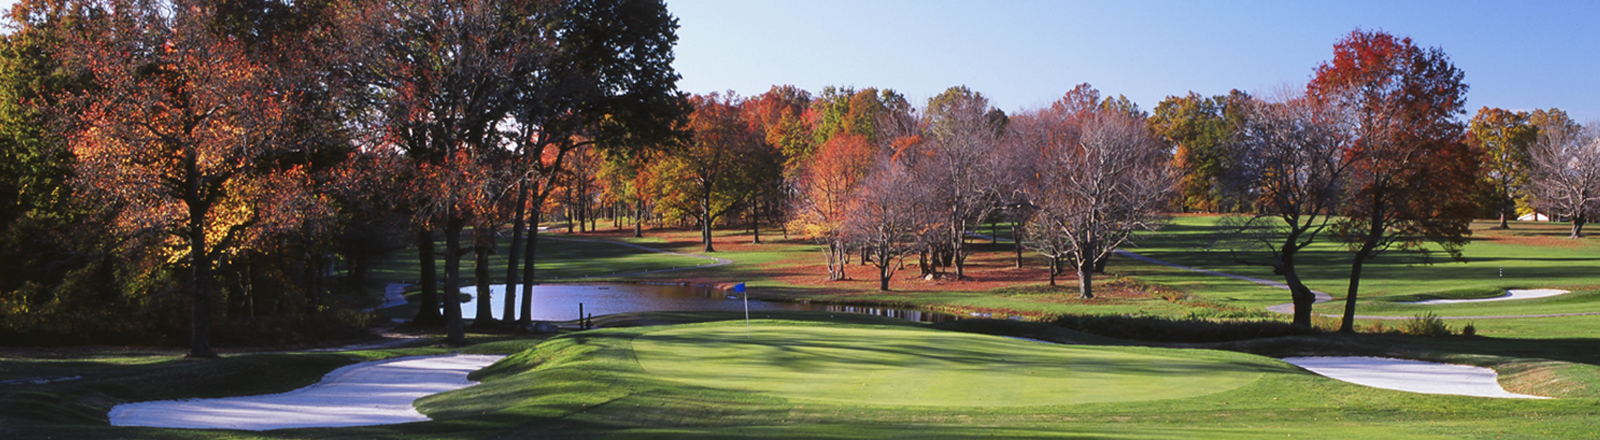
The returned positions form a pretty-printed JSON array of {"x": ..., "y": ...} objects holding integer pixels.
[
  {"x": 178, "y": 137},
  {"x": 824, "y": 188}
]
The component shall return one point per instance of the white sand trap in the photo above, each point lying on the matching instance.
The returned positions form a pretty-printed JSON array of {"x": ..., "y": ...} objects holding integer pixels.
[
  {"x": 1510, "y": 294},
  {"x": 368, "y": 393},
  {"x": 1409, "y": 375}
]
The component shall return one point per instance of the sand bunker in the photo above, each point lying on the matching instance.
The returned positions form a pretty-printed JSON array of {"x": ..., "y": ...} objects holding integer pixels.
[
  {"x": 1409, "y": 375},
  {"x": 368, "y": 393},
  {"x": 1510, "y": 294}
]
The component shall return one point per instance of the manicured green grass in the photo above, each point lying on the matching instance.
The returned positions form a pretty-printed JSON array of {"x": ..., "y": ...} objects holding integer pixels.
[
  {"x": 896, "y": 367},
  {"x": 610, "y": 383},
  {"x": 1528, "y": 256},
  {"x": 557, "y": 260},
  {"x": 801, "y": 378}
]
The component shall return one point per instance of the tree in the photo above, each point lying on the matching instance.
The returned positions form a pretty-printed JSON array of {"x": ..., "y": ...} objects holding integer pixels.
[
  {"x": 1413, "y": 173},
  {"x": 1291, "y": 166},
  {"x": 1566, "y": 173},
  {"x": 1198, "y": 128},
  {"x": 781, "y": 114},
  {"x": 179, "y": 134},
  {"x": 1100, "y": 176},
  {"x": 35, "y": 163},
  {"x": 609, "y": 83},
  {"x": 956, "y": 159},
  {"x": 1503, "y": 137},
  {"x": 707, "y": 173},
  {"x": 886, "y": 217},
  {"x": 825, "y": 187}
]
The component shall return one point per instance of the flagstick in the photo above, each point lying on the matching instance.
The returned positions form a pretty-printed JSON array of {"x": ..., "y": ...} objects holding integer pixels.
[{"x": 746, "y": 315}]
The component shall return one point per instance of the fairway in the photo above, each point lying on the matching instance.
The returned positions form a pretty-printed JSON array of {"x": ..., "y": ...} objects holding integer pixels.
[{"x": 891, "y": 366}]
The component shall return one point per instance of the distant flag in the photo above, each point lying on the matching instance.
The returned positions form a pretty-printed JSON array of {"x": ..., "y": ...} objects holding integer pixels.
[{"x": 740, "y": 289}]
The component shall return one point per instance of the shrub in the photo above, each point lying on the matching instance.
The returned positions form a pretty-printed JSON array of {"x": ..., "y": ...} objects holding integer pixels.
[
  {"x": 1469, "y": 330},
  {"x": 1427, "y": 324}
]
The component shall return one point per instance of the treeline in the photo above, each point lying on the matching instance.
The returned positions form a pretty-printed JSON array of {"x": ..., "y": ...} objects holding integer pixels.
[
  {"x": 170, "y": 165},
  {"x": 173, "y": 164},
  {"x": 1373, "y": 154}
]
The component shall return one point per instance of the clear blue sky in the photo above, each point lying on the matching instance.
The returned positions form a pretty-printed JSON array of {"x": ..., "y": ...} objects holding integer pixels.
[{"x": 1025, "y": 54}]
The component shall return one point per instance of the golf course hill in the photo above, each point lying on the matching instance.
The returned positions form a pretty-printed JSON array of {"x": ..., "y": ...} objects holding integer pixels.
[{"x": 867, "y": 365}]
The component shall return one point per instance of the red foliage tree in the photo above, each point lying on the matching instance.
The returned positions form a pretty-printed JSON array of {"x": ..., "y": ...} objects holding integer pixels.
[{"x": 1413, "y": 173}]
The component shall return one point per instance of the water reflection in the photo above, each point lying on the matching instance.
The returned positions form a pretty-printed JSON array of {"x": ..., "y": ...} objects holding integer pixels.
[{"x": 559, "y": 302}]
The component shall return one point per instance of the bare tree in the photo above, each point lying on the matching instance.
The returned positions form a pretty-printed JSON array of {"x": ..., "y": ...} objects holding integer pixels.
[
  {"x": 1566, "y": 173},
  {"x": 887, "y": 216},
  {"x": 1096, "y": 184},
  {"x": 1291, "y": 166},
  {"x": 957, "y": 161}
]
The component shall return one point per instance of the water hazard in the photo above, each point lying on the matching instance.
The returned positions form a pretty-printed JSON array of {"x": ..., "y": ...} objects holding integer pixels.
[{"x": 559, "y": 302}]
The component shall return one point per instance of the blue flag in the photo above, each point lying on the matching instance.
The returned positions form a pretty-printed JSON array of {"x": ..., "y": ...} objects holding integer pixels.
[{"x": 738, "y": 288}]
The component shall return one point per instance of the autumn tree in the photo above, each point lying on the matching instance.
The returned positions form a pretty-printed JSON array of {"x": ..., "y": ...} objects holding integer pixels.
[
  {"x": 1100, "y": 176},
  {"x": 824, "y": 190},
  {"x": 1291, "y": 165},
  {"x": 179, "y": 134},
  {"x": 35, "y": 163},
  {"x": 1198, "y": 129},
  {"x": 1502, "y": 137},
  {"x": 626, "y": 181},
  {"x": 441, "y": 76},
  {"x": 956, "y": 158},
  {"x": 707, "y": 175},
  {"x": 1413, "y": 174},
  {"x": 1565, "y": 166},
  {"x": 886, "y": 216},
  {"x": 609, "y": 82},
  {"x": 781, "y": 113}
]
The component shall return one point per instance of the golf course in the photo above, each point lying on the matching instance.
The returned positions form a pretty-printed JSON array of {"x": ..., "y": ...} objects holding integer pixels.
[{"x": 817, "y": 374}]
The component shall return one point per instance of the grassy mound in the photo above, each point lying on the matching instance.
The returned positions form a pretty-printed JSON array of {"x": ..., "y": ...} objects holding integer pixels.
[{"x": 892, "y": 366}]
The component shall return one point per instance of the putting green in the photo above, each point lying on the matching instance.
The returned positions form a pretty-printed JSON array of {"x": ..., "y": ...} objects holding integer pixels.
[{"x": 892, "y": 366}]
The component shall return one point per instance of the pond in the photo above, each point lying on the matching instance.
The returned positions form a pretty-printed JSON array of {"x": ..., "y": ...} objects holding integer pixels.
[{"x": 559, "y": 302}]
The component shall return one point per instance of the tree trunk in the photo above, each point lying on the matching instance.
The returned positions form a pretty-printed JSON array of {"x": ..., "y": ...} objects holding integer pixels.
[
  {"x": 922, "y": 263},
  {"x": 955, "y": 254},
  {"x": 755, "y": 224},
  {"x": 528, "y": 264},
  {"x": 200, "y": 289},
  {"x": 1361, "y": 257},
  {"x": 482, "y": 244},
  {"x": 1100, "y": 263},
  {"x": 1055, "y": 268},
  {"x": 1503, "y": 223},
  {"x": 508, "y": 313},
  {"x": 1016, "y": 244},
  {"x": 455, "y": 333},
  {"x": 1301, "y": 296},
  {"x": 1085, "y": 278},
  {"x": 638, "y": 220},
  {"x": 1348, "y": 325},
  {"x": 1577, "y": 226},
  {"x": 428, "y": 314},
  {"x": 883, "y": 276}
]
